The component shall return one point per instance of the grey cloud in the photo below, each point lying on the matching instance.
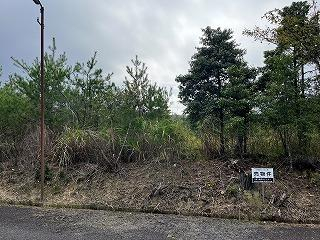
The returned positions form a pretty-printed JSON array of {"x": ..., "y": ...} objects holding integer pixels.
[{"x": 164, "y": 33}]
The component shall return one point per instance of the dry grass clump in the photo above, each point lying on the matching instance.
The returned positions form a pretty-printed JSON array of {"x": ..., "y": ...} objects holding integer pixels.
[
  {"x": 23, "y": 152},
  {"x": 76, "y": 146},
  {"x": 6, "y": 150},
  {"x": 158, "y": 140}
]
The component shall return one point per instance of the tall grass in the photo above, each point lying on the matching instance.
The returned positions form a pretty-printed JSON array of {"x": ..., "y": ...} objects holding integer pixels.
[
  {"x": 141, "y": 141},
  {"x": 264, "y": 141}
]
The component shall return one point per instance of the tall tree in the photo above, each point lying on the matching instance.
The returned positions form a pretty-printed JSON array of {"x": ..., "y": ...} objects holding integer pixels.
[
  {"x": 240, "y": 95},
  {"x": 297, "y": 34},
  {"x": 277, "y": 101},
  {"x": 295, "y": 28},
  {"x": 201, "y": 89}
]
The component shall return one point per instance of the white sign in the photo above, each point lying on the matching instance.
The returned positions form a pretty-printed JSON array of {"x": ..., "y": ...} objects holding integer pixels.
[{"x": 262, "y": 175}]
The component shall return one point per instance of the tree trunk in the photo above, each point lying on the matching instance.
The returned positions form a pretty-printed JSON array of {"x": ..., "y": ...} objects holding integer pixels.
[
  {"x": 299, "y": 93},
  {"x": 284, "y": 140},
  {"x": 302, "y": 125},
  {"x": 245, "y": 134},
  {"x": 222, "y": 140},
  {"x": 221, "y": 118},
  {"x": 302, "y": 82},
  {"x": 239, "y": 146}
]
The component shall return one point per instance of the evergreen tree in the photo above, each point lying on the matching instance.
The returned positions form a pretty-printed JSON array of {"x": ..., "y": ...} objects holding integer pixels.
[
  {"x": 277, "y": 101},
  {"x": 297, "y": 34},
  {"x": 57, "y": 73},
  {"x": 90, "y": 95},
  {"x": 240, "y": 95},
  {"x": 15, "y": 112},
  {"x": 296, "y": 29},
  {"x": 142, "y": 98},
  {"x": 202, "y": 88}
]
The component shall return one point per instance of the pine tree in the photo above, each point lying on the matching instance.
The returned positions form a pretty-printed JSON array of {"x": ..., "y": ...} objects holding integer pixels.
[
  {"x": 202, "y": 88},
  {"x": 240, "y": 94},
  {"x": 142, "y": 98}
]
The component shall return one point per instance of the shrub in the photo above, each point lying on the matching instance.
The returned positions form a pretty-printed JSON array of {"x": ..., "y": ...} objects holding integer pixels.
[
  {"x": 233, "y": 190},
  {"x": 15, "y": 113},
  {"x": 264, "y": 141}
]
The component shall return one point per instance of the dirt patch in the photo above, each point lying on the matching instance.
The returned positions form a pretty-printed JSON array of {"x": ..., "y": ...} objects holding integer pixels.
[{"x": 209, "y": 188}]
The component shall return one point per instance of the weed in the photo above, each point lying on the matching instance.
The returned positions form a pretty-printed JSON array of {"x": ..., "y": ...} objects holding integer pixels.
[
  {"x": 315, "y": 178},
  {"x": 253, "y": 198},
  {"x": 48, "y": 174},
  {"x": 233, "y": 190}
]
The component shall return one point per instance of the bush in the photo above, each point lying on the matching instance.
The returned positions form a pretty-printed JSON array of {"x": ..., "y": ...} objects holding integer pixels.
[
  {"x": 15, "y": 113},
  {"x": 264, "y": 141},
  {"x": 233, "y": 190}
]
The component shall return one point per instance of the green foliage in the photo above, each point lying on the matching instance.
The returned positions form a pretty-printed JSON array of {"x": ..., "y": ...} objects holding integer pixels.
[
  {"x": 296, "y": 28},
  {"x": 174, "y": 139},
  {"x": 145, "y": 140},
  {"x": 57, "y": 73},
  {"x": 240, "y": 96},
  {"x": 202, "y": 89},
  {"x": 264, "y": 141},
  {"x": 289, "y": 94},
  {"x": 240, "y": 91},
  {"x": 90, "y": 95},
  {"x": 299, "y": 29},
  {"x": 278, "y": 99},
  {"x": 0, "y": 74},
  {"x": 233, "y": 190},
  {"x": 78, "y": 96},
  {"x": 235, "y": 108},
  {"x": 141, "y": 97},
  {"x": 15, "y": 112},
  {"x": 48, "y": 174},
  {"x": 164, "y": 139},
  {"x": 315, "y": 178},
  {"x": 253, "y": 198},
  {"x": 77, "y": 146}
]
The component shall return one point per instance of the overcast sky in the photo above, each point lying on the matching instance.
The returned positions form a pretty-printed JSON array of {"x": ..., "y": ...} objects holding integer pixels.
[{"x": 163, "y": 33}]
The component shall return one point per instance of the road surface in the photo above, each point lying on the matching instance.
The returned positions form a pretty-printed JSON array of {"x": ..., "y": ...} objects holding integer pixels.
[{"x": 35, "y": 223}]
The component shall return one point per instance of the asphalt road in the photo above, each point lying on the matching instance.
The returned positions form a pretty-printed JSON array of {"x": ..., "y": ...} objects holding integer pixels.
[{"x": 36, "y": 223}]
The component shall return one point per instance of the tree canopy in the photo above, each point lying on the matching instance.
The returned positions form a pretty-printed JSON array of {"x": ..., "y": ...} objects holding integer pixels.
[{"x": 202, "y": 88}]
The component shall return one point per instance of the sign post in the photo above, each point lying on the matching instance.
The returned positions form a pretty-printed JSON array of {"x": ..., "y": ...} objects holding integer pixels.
[{"x": 262, "y": 175}]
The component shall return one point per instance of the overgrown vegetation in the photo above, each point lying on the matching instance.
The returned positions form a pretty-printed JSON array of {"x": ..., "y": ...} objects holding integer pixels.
[
  {"x": 232, "y": 108},
  {"x": 89, "y": 120},
  {"x": 116, "y": 147}
]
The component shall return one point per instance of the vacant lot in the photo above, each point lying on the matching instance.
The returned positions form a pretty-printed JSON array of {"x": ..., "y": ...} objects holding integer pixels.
[{"x": 208, "y": 188}]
